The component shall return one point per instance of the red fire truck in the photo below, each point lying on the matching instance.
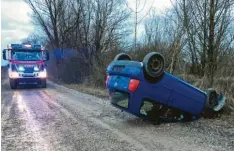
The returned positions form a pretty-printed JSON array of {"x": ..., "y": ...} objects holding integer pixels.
[{"x": 26, "y": 64}]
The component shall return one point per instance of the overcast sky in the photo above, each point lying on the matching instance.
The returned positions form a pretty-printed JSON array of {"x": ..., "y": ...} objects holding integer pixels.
[{"x": 16, "y": 24}]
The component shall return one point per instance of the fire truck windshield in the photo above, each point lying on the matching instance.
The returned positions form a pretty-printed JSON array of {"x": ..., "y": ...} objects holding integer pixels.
[{"x": 27, "y": 55}]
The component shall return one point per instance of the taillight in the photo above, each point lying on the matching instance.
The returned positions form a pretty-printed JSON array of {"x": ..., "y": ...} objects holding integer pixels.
[
  {"x": 133, "y": 84},
  {"x": 107, "y": 79}
]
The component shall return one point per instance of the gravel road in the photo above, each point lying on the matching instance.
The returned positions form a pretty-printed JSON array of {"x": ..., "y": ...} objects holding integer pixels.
[{"x": 57, "y": 118}]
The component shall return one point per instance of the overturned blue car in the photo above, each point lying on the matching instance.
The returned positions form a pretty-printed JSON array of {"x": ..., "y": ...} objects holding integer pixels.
[{"x": 146, "y": 90}]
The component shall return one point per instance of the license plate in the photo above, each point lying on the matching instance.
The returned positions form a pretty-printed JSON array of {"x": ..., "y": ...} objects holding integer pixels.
[
  {"x": 28, "y": 75},
  {"x": 118, "y": 68}
]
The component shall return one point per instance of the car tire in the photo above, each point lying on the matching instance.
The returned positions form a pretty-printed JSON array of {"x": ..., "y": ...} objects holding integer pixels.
[
  {"x": 13, "y": 84},
  {"x": 211, "y": 101},
  {"x": 153, "y": 66},
  {"x": 43, "y": 83},
  {"x": 122, "y": 56}
]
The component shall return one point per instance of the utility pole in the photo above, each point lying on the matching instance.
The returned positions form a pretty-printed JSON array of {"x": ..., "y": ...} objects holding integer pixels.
[
  {"x": 135, "y": 40},
  {"x": 136, "y": 12}
]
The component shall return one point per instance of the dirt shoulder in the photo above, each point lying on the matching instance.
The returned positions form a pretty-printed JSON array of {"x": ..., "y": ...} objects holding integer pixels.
[
  {"x": 98, "y": 92},
  {"x": 224, "y": 119},
  {"x": 217, "y": 132}
]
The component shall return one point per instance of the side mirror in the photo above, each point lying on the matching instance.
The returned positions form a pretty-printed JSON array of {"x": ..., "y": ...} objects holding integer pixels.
[
  {"x": 4, "y": 54},
  {"x": 47, "y": 55}
]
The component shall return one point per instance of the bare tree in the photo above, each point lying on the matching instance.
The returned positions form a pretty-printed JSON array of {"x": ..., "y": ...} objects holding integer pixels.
[
  {"x": 35, "y": 38},
  {"x": 90, "y": 27},
  {"x": 207, "y": 24}
]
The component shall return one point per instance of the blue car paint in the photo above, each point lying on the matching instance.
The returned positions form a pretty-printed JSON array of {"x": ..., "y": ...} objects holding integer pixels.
[{"x": 170, "y": 90}]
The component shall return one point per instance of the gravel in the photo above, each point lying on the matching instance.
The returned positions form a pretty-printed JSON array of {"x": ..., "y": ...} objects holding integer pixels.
[{"x": 57, "y": 118}]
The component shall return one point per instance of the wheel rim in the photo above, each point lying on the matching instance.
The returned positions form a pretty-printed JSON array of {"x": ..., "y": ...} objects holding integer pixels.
[{"x": 155, "y": 64}]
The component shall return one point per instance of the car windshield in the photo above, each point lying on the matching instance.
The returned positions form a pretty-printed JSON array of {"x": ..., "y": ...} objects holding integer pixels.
[{"x": 26, "y": 55}]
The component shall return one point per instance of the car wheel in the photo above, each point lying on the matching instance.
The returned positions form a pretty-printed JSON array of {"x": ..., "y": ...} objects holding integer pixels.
[
  {"x": 13, "y": 84},
  {"x": 122, "y": 56},
  {"x": 211, "y": 101},
  {"x": 153, "y": 66},
  {"x": 43, "y": 83}
]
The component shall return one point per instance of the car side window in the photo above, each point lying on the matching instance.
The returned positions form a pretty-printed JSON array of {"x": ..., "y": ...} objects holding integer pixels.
[
  {"x": 150, "y": 108},
  {"x": 146, "y": 107}
]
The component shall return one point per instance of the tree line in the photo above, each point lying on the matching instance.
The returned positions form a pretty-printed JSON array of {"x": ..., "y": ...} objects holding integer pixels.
[{"x": 196, "y": 33}]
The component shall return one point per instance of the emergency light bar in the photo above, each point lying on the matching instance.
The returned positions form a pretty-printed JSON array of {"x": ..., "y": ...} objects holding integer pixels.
[
  {"x": 9, "y": 47},
  {"x": 28, "y": 46},
  {"x": 25, "y": 46}
]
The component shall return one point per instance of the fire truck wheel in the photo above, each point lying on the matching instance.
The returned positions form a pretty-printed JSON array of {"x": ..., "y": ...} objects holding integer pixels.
[
  {"x": 13, "y": 84},
  {"x": 43, "y": 83}
]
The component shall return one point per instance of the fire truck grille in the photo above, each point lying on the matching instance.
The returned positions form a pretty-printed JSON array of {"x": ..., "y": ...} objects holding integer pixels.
[{"x": 28, "y": 70}]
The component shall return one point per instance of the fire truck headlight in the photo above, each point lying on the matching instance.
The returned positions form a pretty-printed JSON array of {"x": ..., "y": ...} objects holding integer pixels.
[
  {"x": 14, "y": 74},
  {"x": 21, "y": 68},
  {"x": 36, "y": 68},
  {"x": 43, "y": 74}
]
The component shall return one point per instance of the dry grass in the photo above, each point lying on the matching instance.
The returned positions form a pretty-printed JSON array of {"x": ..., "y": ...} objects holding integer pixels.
[
  {"x": 88, "y": 89},
  {"x": 226, "y": 86}
]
